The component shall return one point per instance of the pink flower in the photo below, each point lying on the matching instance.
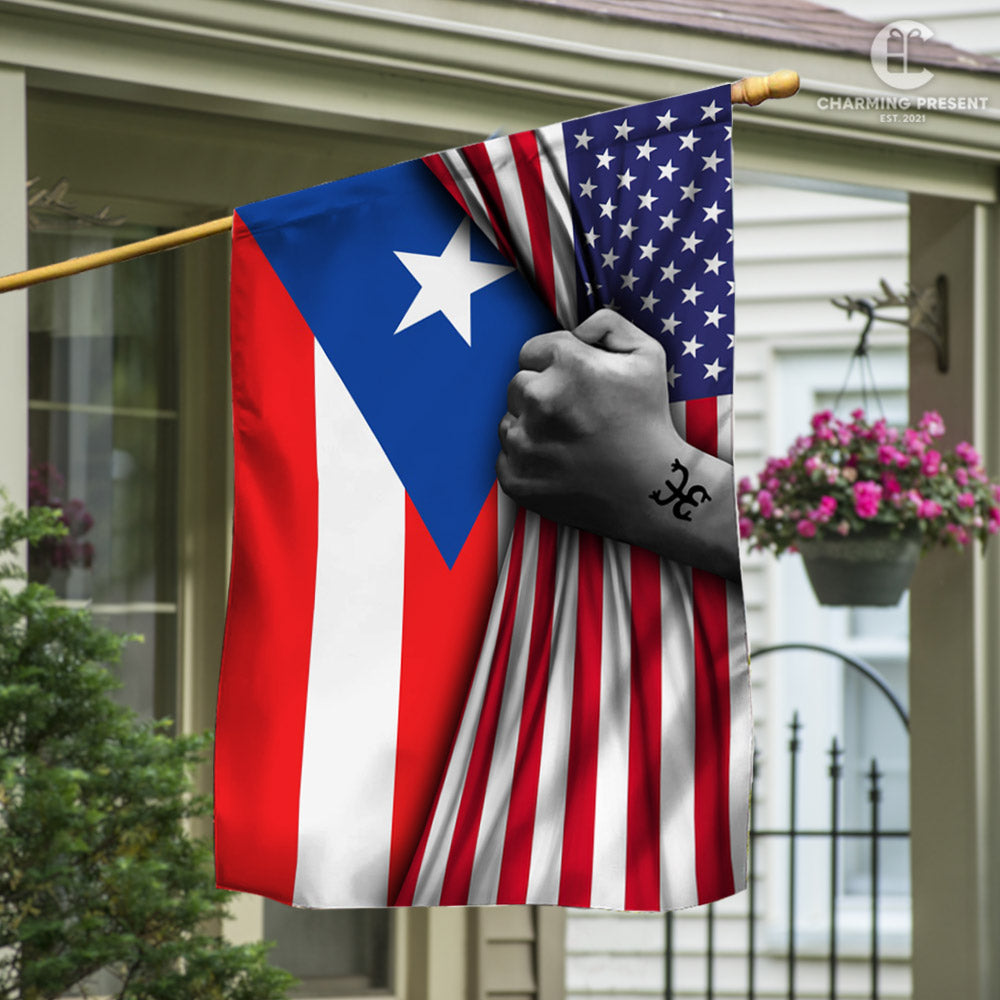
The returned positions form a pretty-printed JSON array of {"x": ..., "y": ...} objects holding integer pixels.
[
  {"x": 746, "y": 527},
  {"x": 813, "y": 464},
  {"x": 890, "y": 486},
  {"x": 932, "y": 423},
  {"x": 858, "y": 415},
  {"x": 958, "y": 533},
  {"x": 967, "y": 453},
  {"x": 930, "y": 465},
  {"x": 745, "y": 486},
  {"x": 929, "y": 508},
  {"x": 889, "y": 455},
  {"x": 966, "y": 501},
  {"x": 914, "y": 441},
  {"x": 827, "y": 507},
  {"x": 766, "y": 503},
  {"x": 867, "y": 496},
  {"x": 844, "y": 528},
  {"x": 962, "y": 476},
  {"x": 806, "y": 528},
  {"x": 821, "y": 419}
]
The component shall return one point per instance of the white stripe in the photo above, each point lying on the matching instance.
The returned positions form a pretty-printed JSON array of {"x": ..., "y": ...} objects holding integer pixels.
[
  {"x": 493, "y": 826},
  {"x": 611, "y": 793},
  {"x": 558, "y": 200},
  {"x": 740, "y": 732},
  {"x": 506, "y": 513},
  {"x": 550, "y": 812},
  {"x": 678, "y": 882},
  {"x": 349, "y": 746},
  {"x": 501, "y": 157},
  {"x": 435, "y": 860},
  {"x": 469, "y": 189}
]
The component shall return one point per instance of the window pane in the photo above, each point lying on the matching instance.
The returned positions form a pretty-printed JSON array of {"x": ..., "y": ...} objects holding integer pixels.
[
  {"x": 103, "y": 390},
  {"x": 333, "y": 952}
]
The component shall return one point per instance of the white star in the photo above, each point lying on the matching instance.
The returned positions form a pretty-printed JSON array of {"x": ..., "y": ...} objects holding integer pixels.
[
  {"x": 732, "y": 341},
  {"x": 646, "y": 200},
  {"x": 667, "y": 221},
  {"x": 609, "y": 258},
  {"x": 729, "y": 131},
  {"x": 732, "y": 289},
  {"x": 668, "y": 171},
  {"x": 648, "y": 249},
  {"x": 629, "y": 279},
  {"x": 447, "y": 282},
  {"x": 689, "y": 191},
  {"x": 669, "y": 272},
  {"x": 607, "y": 207},
  {"x": 604, "y": 159},
  {"x": 622, "y": 130},
  {"x": 586, "y": 188},
  {"x": 713, "y": 213},
  {"x": 625, "y": 179},
  {"x": 691, "y": 242},
  {"x": 713, "y": 317},
  {"x": 711, "y": 162},
  {"x": 709, "y": 111},
  {"x": 672, "y": 376},
  {"x": 644, "y": 150},
  {"x": 627, "y": 229},
  {"x": 648, "y": 301},
  {"x": 714, "y": 369},
  {"x": 691, "y": 347},
  {"x": 691, "y": 294},
  {"x": 713, "y": 264},
  {"x": 729, "y": 183},
  {"x": 583, "y": 139},
  {"x": 591, "y": 237},
  {"x": 670, "y": 324},
  {"x": 666, "y": 120},
  {"x": 688, "y": 141},
  {"x": 730, "y": 240}
]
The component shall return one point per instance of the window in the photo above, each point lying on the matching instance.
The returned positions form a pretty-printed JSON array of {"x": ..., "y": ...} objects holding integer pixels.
[{"x": 103, "y": 416}]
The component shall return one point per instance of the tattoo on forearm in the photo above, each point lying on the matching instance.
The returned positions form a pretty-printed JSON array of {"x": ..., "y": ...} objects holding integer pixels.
[{"x": 680, "y": 495}]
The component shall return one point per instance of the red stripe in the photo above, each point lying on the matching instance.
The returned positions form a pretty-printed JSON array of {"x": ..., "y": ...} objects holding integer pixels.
[
  {"x": 458, "y": 871},
  {"x": 515, "y": 865},
  {"x": 261, "y": 710},
  {"x": 529, "y": 172},
  {"x": 489, "y": 192},
  {"x": 581, "y": 782},
  {"x": 713, "y": 858},
  {"x": 642, "y": 848},
  {"x": 445, "y": 613}
]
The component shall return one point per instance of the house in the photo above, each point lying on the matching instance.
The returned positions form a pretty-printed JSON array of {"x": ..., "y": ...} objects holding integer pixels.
[{"x": 172, "y": 112}]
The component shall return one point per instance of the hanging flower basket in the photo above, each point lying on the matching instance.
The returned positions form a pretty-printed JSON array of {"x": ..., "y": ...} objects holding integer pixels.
[
  {"x": 872, "y": 569},
  {"x": 861, "y": 500}
]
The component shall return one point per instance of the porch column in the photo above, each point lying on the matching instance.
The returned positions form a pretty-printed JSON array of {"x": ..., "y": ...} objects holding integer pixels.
[
  {"x": 955, "y": 632},
  {"x": 13, "y": 305}
]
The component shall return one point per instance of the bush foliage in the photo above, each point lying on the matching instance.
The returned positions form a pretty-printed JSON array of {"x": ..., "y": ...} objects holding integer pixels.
[{"x": 98, "y": 874}]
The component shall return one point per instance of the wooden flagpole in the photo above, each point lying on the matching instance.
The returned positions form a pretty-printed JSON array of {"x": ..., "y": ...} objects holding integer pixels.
[{"x": 751, "y": 90}]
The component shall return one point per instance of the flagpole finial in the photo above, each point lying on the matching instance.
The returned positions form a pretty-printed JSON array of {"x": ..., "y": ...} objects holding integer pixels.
[{"x": 754, "y": 89}]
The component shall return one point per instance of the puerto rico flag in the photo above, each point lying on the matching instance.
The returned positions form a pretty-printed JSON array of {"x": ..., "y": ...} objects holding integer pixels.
[{"x": 428, "y": 696}]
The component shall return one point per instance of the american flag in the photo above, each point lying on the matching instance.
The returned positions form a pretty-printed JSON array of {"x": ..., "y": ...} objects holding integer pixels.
[{"x": 397, "y": 724}]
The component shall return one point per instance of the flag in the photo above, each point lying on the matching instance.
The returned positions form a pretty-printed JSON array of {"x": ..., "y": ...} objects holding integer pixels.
[{"x": 428, "y": 696}]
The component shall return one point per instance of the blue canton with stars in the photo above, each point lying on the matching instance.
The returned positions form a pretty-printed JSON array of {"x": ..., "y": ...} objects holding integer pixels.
[{"x": 652, "y": 192}]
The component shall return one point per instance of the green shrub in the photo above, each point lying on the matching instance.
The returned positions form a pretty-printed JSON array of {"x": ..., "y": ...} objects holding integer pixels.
[{"x": 98, "y": 873}]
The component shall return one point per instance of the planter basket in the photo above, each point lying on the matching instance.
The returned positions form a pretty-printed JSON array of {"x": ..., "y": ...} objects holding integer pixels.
[{"x": 872, "y": 569}]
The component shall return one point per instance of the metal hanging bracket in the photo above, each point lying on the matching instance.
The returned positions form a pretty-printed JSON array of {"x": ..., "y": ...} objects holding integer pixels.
[{"x": 927, "y": 310}]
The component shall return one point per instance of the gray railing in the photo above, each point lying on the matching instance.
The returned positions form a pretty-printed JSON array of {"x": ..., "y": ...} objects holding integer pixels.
[{"x": 873, "y": 832}]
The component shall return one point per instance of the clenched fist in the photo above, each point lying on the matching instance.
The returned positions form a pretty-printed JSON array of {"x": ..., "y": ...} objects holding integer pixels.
[{"x": 588, "y": 441}]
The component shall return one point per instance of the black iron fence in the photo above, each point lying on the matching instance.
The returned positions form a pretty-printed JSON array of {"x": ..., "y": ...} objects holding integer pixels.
[{"x": 793, "y": 834}]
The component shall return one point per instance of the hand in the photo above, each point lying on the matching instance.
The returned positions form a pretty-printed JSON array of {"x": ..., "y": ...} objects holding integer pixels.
[{"x": 588, "y": 438}]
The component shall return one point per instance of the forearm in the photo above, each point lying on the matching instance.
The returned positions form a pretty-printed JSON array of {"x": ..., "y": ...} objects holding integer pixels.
[{"x": 685, "y": 509}]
